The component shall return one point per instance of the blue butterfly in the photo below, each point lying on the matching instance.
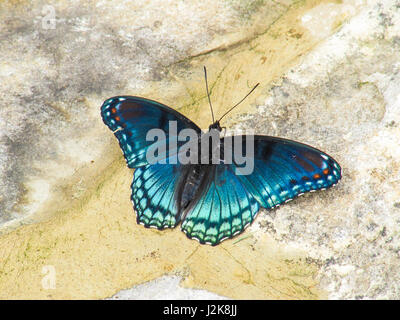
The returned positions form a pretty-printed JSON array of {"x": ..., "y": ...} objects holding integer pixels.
[{"x": 210, "y": 201}]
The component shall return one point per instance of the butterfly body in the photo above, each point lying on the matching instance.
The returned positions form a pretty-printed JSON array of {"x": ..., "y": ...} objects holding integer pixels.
[
  {"x": 193, "y": 179},
  {"x": 208, "y": 196}
]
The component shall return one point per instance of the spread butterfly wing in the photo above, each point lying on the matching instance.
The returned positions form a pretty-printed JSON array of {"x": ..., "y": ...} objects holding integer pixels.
[
  {"x": 131, "y": 118},
  {"x": 284, "y": 169},
  {"x": 222, "y": 208}
]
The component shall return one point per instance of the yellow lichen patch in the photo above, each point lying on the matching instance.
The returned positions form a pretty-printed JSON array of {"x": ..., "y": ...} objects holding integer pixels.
[{"x": 252, "y": 269}]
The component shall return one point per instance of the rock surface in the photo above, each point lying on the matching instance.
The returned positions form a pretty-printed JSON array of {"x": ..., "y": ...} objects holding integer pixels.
[
  {"x": 329, "y": 74},
  {"x": 164, "y": 288}
]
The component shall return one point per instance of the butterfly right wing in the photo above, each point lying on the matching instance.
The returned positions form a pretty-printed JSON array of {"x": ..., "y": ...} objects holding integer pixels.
[
  {"x": 228, "y": 201},
  {"x": 154, "y": 185}
]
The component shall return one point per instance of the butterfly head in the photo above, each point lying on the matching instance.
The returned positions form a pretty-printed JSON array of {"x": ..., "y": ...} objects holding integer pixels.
[{"x": 216, "y": 126}]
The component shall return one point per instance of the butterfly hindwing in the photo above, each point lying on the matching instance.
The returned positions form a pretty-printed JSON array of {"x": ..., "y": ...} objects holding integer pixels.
[
  {"x": 131, "y": 118},
  {"x": 153, "y": 195},
  {"x": 222, "y": 209},
  {"x": 284, "y": 169}
]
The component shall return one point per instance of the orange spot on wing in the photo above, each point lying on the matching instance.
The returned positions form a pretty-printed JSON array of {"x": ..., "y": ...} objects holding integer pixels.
[
  {"x": 317, "y": 176},
  {"x": 113, "y": 110},
  {"x": 117, "y": 118},
  {"x": 326, "y": 171}
]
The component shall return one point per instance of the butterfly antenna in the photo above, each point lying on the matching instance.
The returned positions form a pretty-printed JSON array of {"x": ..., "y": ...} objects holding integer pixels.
[
  {"x": 239, "y": 102},
  {"x": 208, "y": 94}
]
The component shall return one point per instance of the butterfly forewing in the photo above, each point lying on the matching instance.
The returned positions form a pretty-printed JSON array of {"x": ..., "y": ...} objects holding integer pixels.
[
  {"x": 284, "y": 169},
  {"x": 131, "y": 118}
]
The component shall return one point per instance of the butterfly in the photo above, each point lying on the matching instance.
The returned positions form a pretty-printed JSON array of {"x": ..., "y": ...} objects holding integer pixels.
[{"x": 211, "y": 201}]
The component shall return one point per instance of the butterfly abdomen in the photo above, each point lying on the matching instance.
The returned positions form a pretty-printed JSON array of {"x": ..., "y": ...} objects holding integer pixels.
[{"x": 190, "y": 186}]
